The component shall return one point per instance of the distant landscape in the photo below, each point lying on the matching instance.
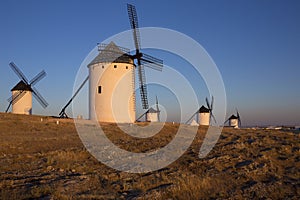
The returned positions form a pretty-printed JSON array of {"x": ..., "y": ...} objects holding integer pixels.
[{"x": 43, "y": 158}]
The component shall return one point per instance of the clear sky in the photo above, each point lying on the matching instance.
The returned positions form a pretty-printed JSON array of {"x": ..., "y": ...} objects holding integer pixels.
[{"x": 255, "y": 44}]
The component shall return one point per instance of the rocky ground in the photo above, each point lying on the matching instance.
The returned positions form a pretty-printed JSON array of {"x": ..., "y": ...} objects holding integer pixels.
[{"x": 42, "y": 159}]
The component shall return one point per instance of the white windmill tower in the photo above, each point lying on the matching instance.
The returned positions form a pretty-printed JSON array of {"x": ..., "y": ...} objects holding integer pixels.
[
  {"x": 21, "y": 99},
  {"x": 22, "y": 105},
  {"x": 111, "y": 86},
  {"x": 204, "y": 114},
  {"x": 152, "y": 115},
  {"x": 234, "y": 121},
  {"x": 112, "y": 79}
]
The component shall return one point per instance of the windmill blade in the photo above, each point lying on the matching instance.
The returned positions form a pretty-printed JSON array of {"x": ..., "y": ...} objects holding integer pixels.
[
  {"x": 237, "y": 113},
  {"x": 212, "y": 116},
  {"x": 16, "y": 97},
  {"x": 192, "y": 116},
  {"x": 151, "y": 65},
  {"x": 152, "y": 62},
  {"x": 157, "y": 109},
  {"x": 37, "y": 78},
  {"x": 18, "y": 72},
  {"x": 143, "y": 86},
  {"x": 212, "y": 103},
  {"x": 207, "y": 103},
  {"x": 134, "y": 26},
  {"x": 239, "y": 118},
  {"x": 39, "y": 97},
  {"x": 211, "y": 108}
]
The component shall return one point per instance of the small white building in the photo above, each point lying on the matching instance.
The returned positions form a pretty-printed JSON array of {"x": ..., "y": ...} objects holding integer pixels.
[
  {"x": 151, "y": 115},
  {"x": 204, "y": 116},
  {"x": 112, "y": 86},
  {"x": 22, "y": 99}
]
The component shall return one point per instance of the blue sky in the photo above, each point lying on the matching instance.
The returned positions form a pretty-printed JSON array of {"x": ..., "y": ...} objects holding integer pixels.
[{"x": 255, "y": 45}]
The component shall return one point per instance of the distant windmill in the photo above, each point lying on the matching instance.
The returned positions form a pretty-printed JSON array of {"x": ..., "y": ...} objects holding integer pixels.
[
  {"x": 21, "y": 99},
  {"x": 112, "y": 97},
  {"x": 204, "y": 114},
  {"x": 151, "y": 115},
  {"x": 234, "y": 121}
]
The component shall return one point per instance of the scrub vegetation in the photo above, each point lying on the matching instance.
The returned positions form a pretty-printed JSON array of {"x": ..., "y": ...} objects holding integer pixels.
[{"x": 46, "y": 160}]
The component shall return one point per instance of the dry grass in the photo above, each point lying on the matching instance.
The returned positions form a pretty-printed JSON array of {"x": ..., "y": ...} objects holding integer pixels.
[{"x": 40, "y": 159}]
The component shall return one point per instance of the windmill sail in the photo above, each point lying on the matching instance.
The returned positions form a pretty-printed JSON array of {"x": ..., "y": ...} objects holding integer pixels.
[
  {"x": 239, "y": 118},
  {"x": 134, "y": 26},
  {"x": 37, "y": 78},
  {"x": 142, "y": 59},
  {"x": 18, "y": 72},
  {"x": 14, "y": 98},
  {"x": 39, "y": 97}
]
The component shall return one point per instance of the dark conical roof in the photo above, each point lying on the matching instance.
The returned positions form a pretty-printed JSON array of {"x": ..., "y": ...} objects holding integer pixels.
[
  {"x": 112, "y": 53},
  {"x": 152, "y": 110},
  {"x": 21, "y": 86},
  {"x": 203, "y": 109},
  {"x": 233, "y": 117}
]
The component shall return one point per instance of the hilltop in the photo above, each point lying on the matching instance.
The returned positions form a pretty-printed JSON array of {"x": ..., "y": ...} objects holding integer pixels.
[{"x": 43, "y": 159}]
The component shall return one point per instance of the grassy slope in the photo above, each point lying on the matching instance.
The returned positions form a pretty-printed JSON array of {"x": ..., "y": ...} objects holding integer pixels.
[{"x": 43, "y": 159}]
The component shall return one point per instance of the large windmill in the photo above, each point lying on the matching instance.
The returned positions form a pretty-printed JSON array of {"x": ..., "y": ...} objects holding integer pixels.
[
  {"x": 204, "y": 114},
  {"x": 112, "y": 78},
  {"x": 21, "y": 99},
  {"x": 234, "y": 120}
]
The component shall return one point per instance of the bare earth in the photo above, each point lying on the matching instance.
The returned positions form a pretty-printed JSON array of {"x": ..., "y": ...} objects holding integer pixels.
[{"x": 45, "y": 160}]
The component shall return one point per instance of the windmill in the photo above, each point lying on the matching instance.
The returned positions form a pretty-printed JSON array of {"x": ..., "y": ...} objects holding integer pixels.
[
  {"x": 151, "y": 115},
  {"x": 204, "y": 114},
  {"x": 63, "y": 113},
  {"x": 21, "y": 99},
  {"x": 234, "y": 121},
  {"x": 112, "y": 78}
]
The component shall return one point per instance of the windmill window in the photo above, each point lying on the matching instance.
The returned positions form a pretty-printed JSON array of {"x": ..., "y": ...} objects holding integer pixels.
[
  {"x": 99, "y": 89},
  {"x": 115, "y": 66},
  {"x": 126, "y": 67},
  {"x": 102, "y": 66}
]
